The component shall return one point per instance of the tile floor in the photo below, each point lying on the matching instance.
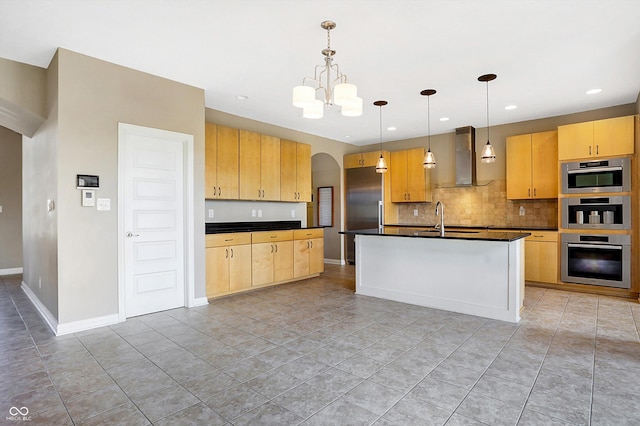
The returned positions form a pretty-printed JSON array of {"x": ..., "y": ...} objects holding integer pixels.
[{"x": 314, "y": 353}]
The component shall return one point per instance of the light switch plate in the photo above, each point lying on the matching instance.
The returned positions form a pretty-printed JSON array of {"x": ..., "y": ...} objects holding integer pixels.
[
  {"x": 210, "y": 213},
  {"x": 104, "y": 204}
]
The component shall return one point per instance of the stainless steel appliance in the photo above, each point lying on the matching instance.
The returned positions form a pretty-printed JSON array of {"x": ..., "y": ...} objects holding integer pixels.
[
  {"x": 596, "y": 259},
  {"x": 364, "y": 203},
  {"x": 597, "y": 212},
  {"x": 612, "y": 175}
]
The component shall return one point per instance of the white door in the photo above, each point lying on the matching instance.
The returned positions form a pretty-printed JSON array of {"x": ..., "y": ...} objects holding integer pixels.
[{"x": 153, "y": 220}]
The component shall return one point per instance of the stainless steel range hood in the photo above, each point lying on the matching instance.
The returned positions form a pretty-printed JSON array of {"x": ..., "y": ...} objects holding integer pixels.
[{"x": 465, "y": 156}]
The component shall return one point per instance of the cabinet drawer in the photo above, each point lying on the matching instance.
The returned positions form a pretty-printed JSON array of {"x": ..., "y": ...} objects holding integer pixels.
[
  {"x": 303, "y": 234},
  {"x": 229, "y": 239},
  {"x": 271, "y": 236},
  {"x": 542, "y": 236}
]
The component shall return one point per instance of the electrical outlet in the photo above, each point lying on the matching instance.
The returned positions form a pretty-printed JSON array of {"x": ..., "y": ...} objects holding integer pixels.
[
  {"x": 415, "y": 212},
  {"x": 521, "y": 211},
  {"x": 210, "y": 213},
  {"x": 39, "y": 282},
  {"x": 253, "y": 213},
  {"x": 259, "y": 213},
  {"x": 293, "y": 213}
]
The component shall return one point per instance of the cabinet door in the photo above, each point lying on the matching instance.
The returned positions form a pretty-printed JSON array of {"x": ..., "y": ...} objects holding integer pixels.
[
  {"x": 227, "y": 163},
  {"x": 398, "y": 172},
  {"x": 303, "y": 170},
  {"x": 371, "y": 158},
  {"x": 519, "y": 167},
  {"x": 217, "y": 271},
  {"x": 270, "y": 167},
  {"x": 250, "y": 188},
  {"x": 283, "y": 261},
  {"x": 239, "y": 267},
  {"x": 541, "y": 261},
  {"x": 262, "y": 263},
  {"x": 301, "y": 250},
  {"x": 544, "y": 165},
  {"x": 316, "y": 256},
  {"x": 613, "y": 136},
  {"x": 210, "y": 160},
  {"x": 352, "y": 161},
  {"x": 416, "y": 176},
  {"x": 288, "y": 171},
  {"x": 575, "y": 141}
]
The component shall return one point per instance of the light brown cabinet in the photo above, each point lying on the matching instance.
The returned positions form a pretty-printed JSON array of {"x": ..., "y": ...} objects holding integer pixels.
[
  {"x": 259, "y": 167},
  {"x": 364, "y": 159},
  {"x": 541, "y": 257},
  {"x": 228, "y": 263},
  {"x": 295, "y": 171},
  {"x": 308, "y": 252},
  {"x": 221, "y": 162},
  {"x": 596, "y": 139},
  {"x": 532, "y": 166},
  {"x": 410, "y": 181},
  {"x": 271, "y": 257}
]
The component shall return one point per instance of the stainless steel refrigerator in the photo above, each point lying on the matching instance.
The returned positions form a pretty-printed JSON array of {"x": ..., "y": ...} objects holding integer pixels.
[{"x": 364, "y": 204}]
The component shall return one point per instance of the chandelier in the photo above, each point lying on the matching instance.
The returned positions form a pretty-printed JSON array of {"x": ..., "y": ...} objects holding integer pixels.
[{"x": 331, "y": 83}]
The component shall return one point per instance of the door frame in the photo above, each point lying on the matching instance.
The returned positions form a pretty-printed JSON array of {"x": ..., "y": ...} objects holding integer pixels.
[{"x": 189, "y": 212}]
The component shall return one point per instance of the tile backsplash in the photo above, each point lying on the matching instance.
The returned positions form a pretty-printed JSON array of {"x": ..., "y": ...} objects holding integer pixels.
[{"x": 481, "y": 206}]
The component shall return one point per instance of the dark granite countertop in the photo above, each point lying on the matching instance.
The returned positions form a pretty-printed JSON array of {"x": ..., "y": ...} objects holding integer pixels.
[
  {"x": 420, "y": 232},
  {"x": 279, "y": 225},
  {"x": 507, "y": 228}
]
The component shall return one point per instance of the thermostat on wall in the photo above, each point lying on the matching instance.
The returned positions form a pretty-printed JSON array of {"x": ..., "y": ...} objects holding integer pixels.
[
  {"x": 88, "y": 198},
  {"x": 87, "y": 181}
]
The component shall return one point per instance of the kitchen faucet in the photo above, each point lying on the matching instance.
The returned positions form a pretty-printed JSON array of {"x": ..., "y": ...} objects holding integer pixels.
[{"x": 441, "y": 206}]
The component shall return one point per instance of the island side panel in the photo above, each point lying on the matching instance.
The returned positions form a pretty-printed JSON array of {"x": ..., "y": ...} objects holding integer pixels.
[{"x": 481, "y": 278}]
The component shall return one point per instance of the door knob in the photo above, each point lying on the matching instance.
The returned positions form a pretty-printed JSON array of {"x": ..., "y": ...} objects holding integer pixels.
[{"x": 131, "y": 234}]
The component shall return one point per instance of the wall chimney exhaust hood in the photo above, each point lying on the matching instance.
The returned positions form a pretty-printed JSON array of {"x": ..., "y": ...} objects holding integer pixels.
[{"x": 465, "y": 156}]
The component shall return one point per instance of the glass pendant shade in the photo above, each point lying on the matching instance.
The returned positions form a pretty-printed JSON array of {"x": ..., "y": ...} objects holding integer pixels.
[
  {"x": 344, "y": 93},
  {"x": 381, "y": 166},
  {"x": 303, "y": 96},
  {"x": 429, "y": 160},
  {"x": 488, "y": 154},
  {"x": 314, "y": 110},
  {"x": 352, "y": 108}
]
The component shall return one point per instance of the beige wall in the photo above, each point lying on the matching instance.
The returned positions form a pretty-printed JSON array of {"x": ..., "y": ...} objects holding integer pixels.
[
  {"x": 22, "y": 96},
  {"x": 94, "y": 96},
  {"x": 10, "y": 199},
  {"x": 326, "y": 172}
]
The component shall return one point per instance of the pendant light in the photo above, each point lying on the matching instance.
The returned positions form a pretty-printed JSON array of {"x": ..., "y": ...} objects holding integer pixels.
[
  {"x": 429, "y": 159},
  {"x": 381, "y": 166},
  {"x": 488, "y": 153}
]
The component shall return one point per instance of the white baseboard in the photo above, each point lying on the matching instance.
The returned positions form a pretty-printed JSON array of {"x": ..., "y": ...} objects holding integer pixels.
[
  {"x": 71, "y": 327},
  {"x": 48, "y": 317},
  {"x": 88, "y": 324},
  {"x": 11, "y": 271},
  {"x": 200, "y": 301},
  {"x": 334, "y": 261}
]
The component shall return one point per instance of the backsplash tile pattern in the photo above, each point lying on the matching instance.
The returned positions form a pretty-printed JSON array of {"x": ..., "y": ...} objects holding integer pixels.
[{"x": 481, "y": 206}]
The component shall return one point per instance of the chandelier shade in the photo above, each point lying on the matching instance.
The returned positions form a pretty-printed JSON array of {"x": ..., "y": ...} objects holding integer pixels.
[
  {"x": 331, "y": 83},
  {"x": 381, "y": 166},
  {"x": 429, "y": 159},
  {"x": 488, "y": 153}
]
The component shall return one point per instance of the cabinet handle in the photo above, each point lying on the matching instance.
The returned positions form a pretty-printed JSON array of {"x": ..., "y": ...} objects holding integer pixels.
[
  {"x": 529, "y": 192},
  {"x": 276, "y": 248},
  {"x": 226, "y": 253},
  {"x": 538, "y": 236},
  {"x": 589, "y": 150},
  {"x": 231, "y": 252},
  {"x": 229, "y": 239},
  {"x": 273, "y": 236},
  {"x": 311, "y": 244},
  {"x": 271, "y": 248},
  {"x": 263, "y": 193},
  {"x": 597, "y": 149},
  {"x": 219, "y": 192},
  {"x": 535, "y": 192},
  {"x": 308, "y": 246}
]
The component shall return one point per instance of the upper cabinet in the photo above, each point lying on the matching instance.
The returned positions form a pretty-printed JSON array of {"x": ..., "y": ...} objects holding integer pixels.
[
  {"x": 594, "y": 139},
  {"x": 364, "y": 159},
  {"x": 259, "y": 167},
  {"x": 410, "y": 181},
  {"x": 295, "y": 171},
  {"x": 221, "y": 162},
  {"x": 532, "y": 166}
]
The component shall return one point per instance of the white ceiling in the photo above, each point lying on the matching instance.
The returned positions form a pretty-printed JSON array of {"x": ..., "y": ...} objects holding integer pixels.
[{"x": 546, "y": 53}]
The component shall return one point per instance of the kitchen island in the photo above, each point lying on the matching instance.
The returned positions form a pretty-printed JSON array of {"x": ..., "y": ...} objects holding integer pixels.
[{"x": 476, "y": 273}]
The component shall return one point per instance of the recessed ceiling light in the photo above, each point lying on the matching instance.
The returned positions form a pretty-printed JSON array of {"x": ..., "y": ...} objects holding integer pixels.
[
  {"x": 242, "y": 97},
  {"x": 444, "y": 118},
  {"x": 510, "y": 107},
  {"x": 347, "y": 137},
  {"x": 391, "y": 129},
  {"x": 593, "y": 91}
]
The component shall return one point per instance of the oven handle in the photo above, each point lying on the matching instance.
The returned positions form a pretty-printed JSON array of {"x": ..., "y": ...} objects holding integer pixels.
[
  {"x": 594, "y": 169},
  {"x": 595, "y": 246}
]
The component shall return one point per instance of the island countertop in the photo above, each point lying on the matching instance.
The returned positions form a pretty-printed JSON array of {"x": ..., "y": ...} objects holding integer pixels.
[{"x": 411, "y": 232}]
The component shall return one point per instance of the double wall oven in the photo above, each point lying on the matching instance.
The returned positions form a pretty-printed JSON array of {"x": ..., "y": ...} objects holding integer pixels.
[{"x": 598, "y": 200}]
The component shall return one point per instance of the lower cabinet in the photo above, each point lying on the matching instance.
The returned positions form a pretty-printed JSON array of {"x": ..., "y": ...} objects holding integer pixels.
[
  {"x": 308, "y": 253},
  {"x": 541, "y": 257},
  {"x": 228, "y": 263},
  {"x": 271, "y": 257}
]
